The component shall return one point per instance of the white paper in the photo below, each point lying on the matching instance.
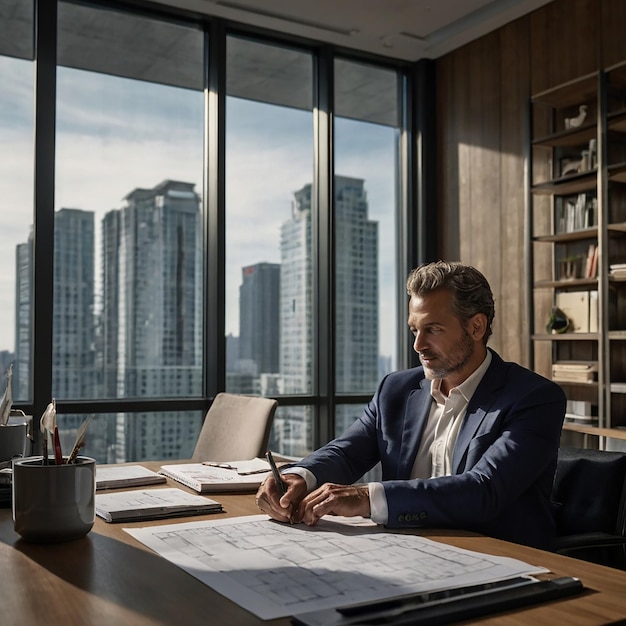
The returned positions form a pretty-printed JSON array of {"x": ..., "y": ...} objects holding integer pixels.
[
  {"x": 126, "y": 474},
  {"x": 149, "y": 501},
  {"x": 249, "y": 466},
  {"x": 276, "y": 570}
]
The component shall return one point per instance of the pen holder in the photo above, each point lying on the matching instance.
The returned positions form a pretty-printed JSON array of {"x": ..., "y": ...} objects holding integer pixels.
[{"x": 53, "y": 503}]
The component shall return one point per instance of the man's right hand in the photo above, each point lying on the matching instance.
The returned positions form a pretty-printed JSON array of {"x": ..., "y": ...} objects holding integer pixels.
[{"x": 281, "y": 509}]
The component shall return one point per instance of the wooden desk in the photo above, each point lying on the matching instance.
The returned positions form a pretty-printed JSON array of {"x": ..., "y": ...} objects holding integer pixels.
[{"x": 109, "y": 578}]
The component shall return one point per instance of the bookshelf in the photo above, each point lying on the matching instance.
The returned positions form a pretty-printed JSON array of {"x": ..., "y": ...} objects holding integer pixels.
[{"x": 577, "y": 248}]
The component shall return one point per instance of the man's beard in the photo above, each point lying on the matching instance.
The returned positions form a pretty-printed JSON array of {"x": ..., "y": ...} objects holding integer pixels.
[{"x": 454, "y": 362}]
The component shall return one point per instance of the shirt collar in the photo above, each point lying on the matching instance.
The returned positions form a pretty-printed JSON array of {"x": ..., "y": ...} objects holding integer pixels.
[{"x": 467, "y": 387}]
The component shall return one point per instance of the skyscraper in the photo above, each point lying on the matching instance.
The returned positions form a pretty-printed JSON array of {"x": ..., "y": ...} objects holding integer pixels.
[
  {"x": 75, "y": 370},
  {"x": 356, "y": 288},
  {"x": 356, "y": 303},
  {"x": 74, "y": 373},
  {"x": 23, "y": 306},
  {"x": 259, "y": 316},
  {"x": 152, "y": 313}
]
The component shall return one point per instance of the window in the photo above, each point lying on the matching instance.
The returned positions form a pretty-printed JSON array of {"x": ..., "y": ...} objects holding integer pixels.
[
  {"x": 145, "y": 320},
  {"x": 269, "y": 257},
  {"x": 128, "y": 271},
  {"x": 366, "y": 207},
  {"x": 16, "y": 200}
]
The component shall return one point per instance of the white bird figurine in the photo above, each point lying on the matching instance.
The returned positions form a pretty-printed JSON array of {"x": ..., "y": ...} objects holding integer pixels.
[{"x": 575, "y": 122}]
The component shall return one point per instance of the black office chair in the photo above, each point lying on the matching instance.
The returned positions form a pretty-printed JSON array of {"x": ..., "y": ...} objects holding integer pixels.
[{"x": 589, "y": 496}]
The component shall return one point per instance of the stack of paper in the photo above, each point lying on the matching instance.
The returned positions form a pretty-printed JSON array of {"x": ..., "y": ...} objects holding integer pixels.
[
  {"x": 128, "y": 506},
  {"x": 120, "y": 476}
]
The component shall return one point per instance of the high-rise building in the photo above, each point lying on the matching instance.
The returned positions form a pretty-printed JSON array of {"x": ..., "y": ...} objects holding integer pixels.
[
  {"x": 74, "y": 373},
  {"x": 296, "y": 298},
  {"x": 152, "y": 315},
  {"x": 356, "y": 304},
  {"x": 75, "y": 367},
  {"x": 356, "y": 289},
  {"x": 21, "y": 383},
  {"x": 259, "y": 317}
]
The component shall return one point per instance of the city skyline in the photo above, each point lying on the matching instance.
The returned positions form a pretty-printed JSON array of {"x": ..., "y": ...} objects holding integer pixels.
[
  {"x": 99, "y": 159},
  {"x": 146, "y": 340}
]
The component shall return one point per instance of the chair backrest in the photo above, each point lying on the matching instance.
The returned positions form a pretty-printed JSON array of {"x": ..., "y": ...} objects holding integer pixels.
[
  {"x": 590, "y": 492},
  {"x": 235, "y": 428}
]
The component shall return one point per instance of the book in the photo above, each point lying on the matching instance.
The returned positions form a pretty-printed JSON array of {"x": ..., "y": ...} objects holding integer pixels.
[
  {"x": 591, "y": 264},
  {"x": 575, "y": 305},
  {"x": 120, "y": 476},
  {"x": 572, "y": 371},
  {"x": 207, "y": 479},
  {"x": 145, "y": 504}
]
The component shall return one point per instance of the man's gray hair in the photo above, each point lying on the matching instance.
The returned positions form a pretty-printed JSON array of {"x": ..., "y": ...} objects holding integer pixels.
[{"x": 470, "y": 290}]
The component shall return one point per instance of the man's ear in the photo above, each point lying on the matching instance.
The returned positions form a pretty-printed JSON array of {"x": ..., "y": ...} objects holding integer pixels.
[{"x": 477, "y": 326}]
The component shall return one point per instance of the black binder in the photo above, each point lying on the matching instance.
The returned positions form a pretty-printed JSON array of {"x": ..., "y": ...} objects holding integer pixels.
[{"x": 445, "y": 607}]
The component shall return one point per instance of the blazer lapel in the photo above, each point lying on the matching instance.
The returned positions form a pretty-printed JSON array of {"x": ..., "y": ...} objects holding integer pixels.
[
  {"x": 477, "y": 408},
  {"x": 470, "y": 425},
  {"x": 415, "y": 418}
]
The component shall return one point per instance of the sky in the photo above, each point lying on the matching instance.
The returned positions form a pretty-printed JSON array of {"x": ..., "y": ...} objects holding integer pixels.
[{"x": 115, "y": 134}]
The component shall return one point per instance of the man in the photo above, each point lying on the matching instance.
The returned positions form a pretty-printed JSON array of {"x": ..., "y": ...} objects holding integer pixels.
[{"x": 465, "y": 441}]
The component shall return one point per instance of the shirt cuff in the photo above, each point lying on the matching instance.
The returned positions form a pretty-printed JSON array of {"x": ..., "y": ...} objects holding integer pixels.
[
  {"x": 311, "y": 481},
  {"x": 378, "y": 503}
]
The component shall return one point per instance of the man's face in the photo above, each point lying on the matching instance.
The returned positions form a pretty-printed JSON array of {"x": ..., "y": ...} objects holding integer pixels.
[{"x": 446, "y": 348}]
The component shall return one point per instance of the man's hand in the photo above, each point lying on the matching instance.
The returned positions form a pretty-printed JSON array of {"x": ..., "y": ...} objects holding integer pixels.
[
  {"x": 331, "y": 499},
  {"x": 270, "y": 502}
]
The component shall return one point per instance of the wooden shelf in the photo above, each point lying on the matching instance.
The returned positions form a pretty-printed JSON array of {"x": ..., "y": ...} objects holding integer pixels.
[
  {"x": 566, "y": 284},
  {"x": 617, "y": 172},
  {"x": 558, "y": 202},
  {"x": 616, "y": 121},
  {"x": 574, "y": 235},
  {"x": 568, "y": 185},
  {"x": 578, "y": 91},
  {"x": 569, "y": 138},
  {"x": 596, "y": 431},
  {"x": 566, "y": 337}
]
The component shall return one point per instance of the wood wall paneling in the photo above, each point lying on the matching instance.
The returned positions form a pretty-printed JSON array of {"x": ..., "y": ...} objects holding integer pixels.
[
  {"x": 448, "y": 179},
  {"x": 515, "y": 79},
  {"x": 612, "y": 27},
  {"x": 563, "y": 42}
]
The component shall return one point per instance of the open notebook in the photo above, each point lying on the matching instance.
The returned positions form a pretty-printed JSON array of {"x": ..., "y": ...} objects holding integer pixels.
[{"x": 205, "y": 478}]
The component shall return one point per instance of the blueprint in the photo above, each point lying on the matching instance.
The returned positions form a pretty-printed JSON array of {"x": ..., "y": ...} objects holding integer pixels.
[{"x": 277, "y": 570}]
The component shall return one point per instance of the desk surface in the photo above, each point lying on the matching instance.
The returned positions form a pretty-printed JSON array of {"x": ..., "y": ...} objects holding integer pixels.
[{"x": 109, "y": 578}]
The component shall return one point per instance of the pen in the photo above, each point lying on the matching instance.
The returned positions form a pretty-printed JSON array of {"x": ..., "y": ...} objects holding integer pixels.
[
  {"x": 58, "y": 455},
  {"x": 280, "y": 483}
]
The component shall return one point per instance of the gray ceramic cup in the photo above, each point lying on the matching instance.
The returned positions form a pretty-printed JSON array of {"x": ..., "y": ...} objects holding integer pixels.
[
  {"x": 53, "y": 503},
  {"x": 14, "y": 441}
]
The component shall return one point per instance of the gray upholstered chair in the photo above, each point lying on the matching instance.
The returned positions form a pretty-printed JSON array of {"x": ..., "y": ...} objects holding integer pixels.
[{"x": 235, "y": 428}]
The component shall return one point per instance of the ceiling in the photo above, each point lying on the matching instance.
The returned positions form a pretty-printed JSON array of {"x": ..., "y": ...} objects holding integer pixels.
[{"x": 402, "y": 29}]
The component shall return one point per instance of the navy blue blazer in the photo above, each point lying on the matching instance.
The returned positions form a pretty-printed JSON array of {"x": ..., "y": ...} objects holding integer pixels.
[{"x": 503, "y": 462}]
